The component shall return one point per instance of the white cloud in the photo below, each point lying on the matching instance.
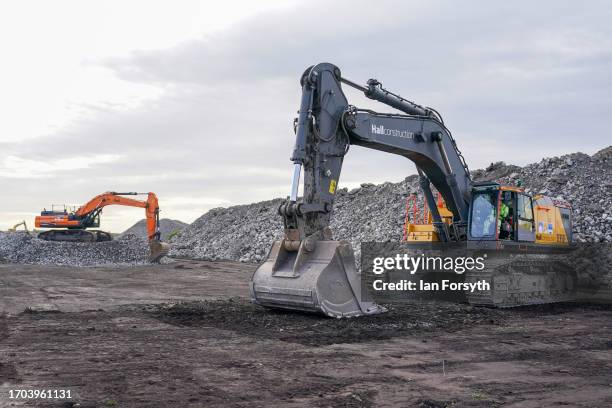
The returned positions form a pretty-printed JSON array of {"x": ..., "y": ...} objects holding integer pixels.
[
  {"x": 18, "y": 167},
  {"x": 50, "y": 75}
]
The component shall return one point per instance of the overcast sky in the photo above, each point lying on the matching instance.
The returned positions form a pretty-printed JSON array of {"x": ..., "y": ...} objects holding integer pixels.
[{"x": 195, "y": 100}]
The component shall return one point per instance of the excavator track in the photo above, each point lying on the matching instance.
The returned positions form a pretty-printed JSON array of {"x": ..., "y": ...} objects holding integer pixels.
[
  {"x": 75, "y": 235},
  {"x": 524, "y": 280}
]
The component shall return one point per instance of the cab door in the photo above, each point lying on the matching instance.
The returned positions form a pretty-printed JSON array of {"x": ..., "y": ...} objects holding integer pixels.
[{"x": 525, "y": 223}]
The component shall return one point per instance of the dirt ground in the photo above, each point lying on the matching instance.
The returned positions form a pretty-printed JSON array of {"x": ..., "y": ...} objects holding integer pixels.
[{"x": 184, "y": 335}]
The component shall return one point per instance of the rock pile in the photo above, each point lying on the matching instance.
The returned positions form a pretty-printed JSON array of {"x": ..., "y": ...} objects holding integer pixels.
[
  {"x": 243, "y": 233},
  {"x": 24, "y": 248},
  {"x": 167, "y": 228},
  {"x": 376, "y": 212}
]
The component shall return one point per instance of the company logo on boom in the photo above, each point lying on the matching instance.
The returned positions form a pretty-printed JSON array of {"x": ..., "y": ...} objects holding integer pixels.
[{"x": 381, "y": 130}]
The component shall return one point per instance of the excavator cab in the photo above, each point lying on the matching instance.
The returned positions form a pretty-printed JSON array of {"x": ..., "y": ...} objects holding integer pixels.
[
  {"x": 508, "y": 214},
  {"x": 496, "y": 211}
]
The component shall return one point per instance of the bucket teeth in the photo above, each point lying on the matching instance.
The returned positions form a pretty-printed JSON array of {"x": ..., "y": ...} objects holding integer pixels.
[{"x": 322, "y": 279}]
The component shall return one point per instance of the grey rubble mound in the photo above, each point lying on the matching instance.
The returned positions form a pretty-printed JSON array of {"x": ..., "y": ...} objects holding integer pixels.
[
  {"x": 22, "y": 248},
  {"x": 241, "y": 233},
  {"x": 167, "y": 226},
  {"x": 376, "y": 212}
]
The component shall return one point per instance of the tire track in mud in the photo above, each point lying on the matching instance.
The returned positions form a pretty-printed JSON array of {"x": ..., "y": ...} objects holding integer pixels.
[
  {"x": 409, "y": 318},
  {"x": 8, "y": 372},
  {"x": 242, "y": 317},
  {"x": 3, "y": 327}
]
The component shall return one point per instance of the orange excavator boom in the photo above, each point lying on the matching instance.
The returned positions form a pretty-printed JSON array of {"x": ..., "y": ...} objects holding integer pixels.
[{"x": 151, "y": 206}]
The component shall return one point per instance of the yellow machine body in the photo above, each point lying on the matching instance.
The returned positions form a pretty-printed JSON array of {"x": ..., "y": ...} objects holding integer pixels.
[
  {"x": 551, "y": 218},
  {"x": 552, "y": 221}
]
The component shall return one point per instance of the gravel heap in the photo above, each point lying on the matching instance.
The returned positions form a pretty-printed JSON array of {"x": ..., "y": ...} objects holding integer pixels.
[
  {"x": 243, "y": 233},
  {"x": 166, "y": 226},
  {"x": 19, "y": 247},
  {"x": 376, "y": 212}
]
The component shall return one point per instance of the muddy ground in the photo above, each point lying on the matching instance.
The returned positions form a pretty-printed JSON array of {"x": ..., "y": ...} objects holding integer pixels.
[{"x": 184, "y": 335}]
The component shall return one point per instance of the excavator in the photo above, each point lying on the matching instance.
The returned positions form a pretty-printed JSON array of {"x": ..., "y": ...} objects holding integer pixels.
[
  {"x": 71, "y": 224},
  {"x": 309, "y": 271},
  {"x": 19, "y": 224}
]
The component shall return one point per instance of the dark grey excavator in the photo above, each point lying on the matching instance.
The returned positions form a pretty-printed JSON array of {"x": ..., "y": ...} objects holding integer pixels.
[{"x": 307, "y": 270}]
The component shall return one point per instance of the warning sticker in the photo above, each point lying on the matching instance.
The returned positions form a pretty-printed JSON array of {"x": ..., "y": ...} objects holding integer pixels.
[{"x": 332, "y": 186}]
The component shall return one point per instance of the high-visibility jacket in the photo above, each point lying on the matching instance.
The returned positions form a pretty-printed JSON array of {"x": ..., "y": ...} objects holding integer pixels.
[{"x": 504, "y": 210}]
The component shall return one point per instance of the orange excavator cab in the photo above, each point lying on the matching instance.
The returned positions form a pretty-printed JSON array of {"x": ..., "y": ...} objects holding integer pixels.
[{"x": 72, "y": 225}]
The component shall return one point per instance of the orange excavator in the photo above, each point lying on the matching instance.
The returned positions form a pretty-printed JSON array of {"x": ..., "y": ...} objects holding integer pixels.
[{"x": 73, "y": 223}]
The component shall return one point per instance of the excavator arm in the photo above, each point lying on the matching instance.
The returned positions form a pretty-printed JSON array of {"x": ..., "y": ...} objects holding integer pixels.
[
  {"x": 328, "y": 125},
  {"x": 310, "y": 271},
  {"x": 94, "y": 206}
]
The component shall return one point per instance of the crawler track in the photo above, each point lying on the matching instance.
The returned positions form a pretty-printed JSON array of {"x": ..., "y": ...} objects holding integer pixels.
[
  {"x": 75, "y": 235},
  {"x": 524, "y": 280}
]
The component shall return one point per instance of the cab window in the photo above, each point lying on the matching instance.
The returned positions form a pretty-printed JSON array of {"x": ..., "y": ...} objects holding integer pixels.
[
  {"x": 483, "y": 214},
  {"x": 526, "y": 230}
]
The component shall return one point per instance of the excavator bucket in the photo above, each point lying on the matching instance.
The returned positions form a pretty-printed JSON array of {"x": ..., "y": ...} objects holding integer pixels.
[
  {"x": 323, "y": 279},
  {"x": 158, "y": 250}
]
